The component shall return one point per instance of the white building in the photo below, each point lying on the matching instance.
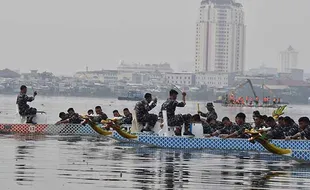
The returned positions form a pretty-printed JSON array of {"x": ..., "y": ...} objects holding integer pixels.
[
  {"x": 162, "y": 67},
  {"x": 262, "y": 70},
  {"x": 182, "y": 79},
  {"x": 288, "y": 59},
  {"x": 213, "y": 79},
  {"x": 220, "y": 37},
  {"x": 104, "y": 76}
]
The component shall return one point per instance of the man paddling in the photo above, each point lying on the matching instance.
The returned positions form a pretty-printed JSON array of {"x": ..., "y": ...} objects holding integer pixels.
[
  {"x": 142, "y": 109},
  {"x": 23, "y": 108},
  {"x": 241, "y": 125},
  {"x": 304, "y": 129},
  {"x": 176, "y": 120}
]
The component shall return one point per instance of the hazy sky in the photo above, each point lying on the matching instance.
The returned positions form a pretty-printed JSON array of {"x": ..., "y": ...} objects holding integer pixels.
[{"x": 64, "y": 36}]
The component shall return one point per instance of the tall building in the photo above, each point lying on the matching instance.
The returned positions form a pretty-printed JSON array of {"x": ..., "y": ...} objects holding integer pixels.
[
  {"x": 288, "y": 59},
  {"x": 220, "y": 37}
]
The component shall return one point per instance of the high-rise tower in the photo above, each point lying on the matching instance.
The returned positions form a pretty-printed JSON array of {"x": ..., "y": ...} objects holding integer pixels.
[{"x": 220, "y": 37}]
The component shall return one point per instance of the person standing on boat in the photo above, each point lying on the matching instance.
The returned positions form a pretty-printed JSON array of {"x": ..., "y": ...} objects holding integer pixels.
[
  {"x": 256, "y": 101},
  {"x": 23, "y": 108},
  {"x": 176, "y": 120},
  {"x": 142, "y": 109},
  {"x": 211, "y": 114}
]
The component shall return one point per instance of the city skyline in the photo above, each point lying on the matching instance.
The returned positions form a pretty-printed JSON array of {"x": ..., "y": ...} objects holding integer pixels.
[{"x": 65, "y": 37}]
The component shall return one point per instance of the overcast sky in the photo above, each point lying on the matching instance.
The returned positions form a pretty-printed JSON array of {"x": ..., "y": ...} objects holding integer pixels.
[{"x": 64, "y": 36}]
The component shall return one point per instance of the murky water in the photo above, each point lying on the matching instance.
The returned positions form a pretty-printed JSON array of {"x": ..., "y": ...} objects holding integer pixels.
[{"x": 42, "y": 162}]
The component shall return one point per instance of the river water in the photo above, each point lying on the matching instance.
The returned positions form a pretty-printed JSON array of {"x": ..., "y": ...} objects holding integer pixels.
[{"x": 46, "y": 162}]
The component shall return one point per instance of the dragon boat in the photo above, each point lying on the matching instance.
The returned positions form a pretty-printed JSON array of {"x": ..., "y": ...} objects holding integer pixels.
[{"x": 163, "y": 136}]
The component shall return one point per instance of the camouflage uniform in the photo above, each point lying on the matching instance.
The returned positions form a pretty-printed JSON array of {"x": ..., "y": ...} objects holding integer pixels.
[
  {"x": 142, "y": 109},
  {"x": 211, "y": 114},
  {"x": 291, "y": 130},
  {"x": 207, "y": 128},
  {"x": 259, "y": 126},
  {"x": 241, "y": 130},
  {"x": 228, "y": 129},
  {"x": 128, "y": 119},
  {"x": 174, "y": 120},
  {"x": 75, "y": 118},
  {"x": 305, "y": 133},
  {"x": 275, "y": 133},
  {"x": 24, "y": 108},
  {"x": 100, "y": 117}
]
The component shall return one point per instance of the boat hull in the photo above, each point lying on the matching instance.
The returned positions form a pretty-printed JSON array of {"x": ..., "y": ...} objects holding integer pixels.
[
  {"x": 300, "y": 148},
  {"x": 48, "y": 129}
]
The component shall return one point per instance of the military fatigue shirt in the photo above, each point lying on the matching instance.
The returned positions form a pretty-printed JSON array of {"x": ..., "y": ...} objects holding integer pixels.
[
  {"x": 128, "y": 119},
  {"x": 305, "y": 133},
  {"x": 22, "y": 100},
  {"x": 170, "y": 105},
  {"x": 142, "y": 108},
  {"x": 75, "y": 118},
  {"x": 242, "y": 128},
  {"x": 211, "y": 114},
  {"x": 228, "y": 129},
  {"x": 291, "y": 130},
  {"x": 100, "y": 117},
  {"x": 259, "y": 126},
  {"x": 275, "y": 133}
]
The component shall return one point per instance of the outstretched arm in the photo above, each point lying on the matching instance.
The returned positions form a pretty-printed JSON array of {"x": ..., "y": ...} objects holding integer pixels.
[{"x": 29, "y": 99}]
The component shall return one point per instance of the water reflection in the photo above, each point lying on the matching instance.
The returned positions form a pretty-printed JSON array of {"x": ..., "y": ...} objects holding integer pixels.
[
  {"x": 25, "y": 171},
  {"x": 106, "y": 165}
]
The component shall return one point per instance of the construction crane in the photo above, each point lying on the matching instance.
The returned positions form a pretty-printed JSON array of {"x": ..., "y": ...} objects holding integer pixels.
[{"x": 241, "y": 85}]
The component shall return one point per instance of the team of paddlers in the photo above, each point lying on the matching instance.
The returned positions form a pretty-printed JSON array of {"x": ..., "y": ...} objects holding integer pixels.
[
  {"x": 251, "y": 101},
  {"x": 281, "y": 128}
]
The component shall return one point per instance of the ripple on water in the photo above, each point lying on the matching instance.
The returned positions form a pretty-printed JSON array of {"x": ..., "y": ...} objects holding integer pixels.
[{"x": 58, "y": 163}]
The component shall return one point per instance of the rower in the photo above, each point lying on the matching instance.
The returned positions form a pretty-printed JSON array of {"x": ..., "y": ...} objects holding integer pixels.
[
  {"x": 116, "y": 114},
  {"x": 90, "y": 112},
  {"x": 63, "y": 117},
  {"x": 176, "y": 120},
  {"x": 258, "y": 122},
  {"x": 99, "y": 115},
  {"x": 240, "y": 121},
  {"x": 23, "y": 108},
  {"x": 142, "y": 109},
  {"x": 227, "y": 128},
  {"x": 304, "y": 126},
  {"x": 210, "y": 126},
  {"x": 211, "y": 112},
  {"x": 290, "y": 127},
  {"x": 72, "y": 117},
  {"x": 275, "y": 132},
  {"x": 128, "y": 116},
  {"x": 256, "y": 113}
]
